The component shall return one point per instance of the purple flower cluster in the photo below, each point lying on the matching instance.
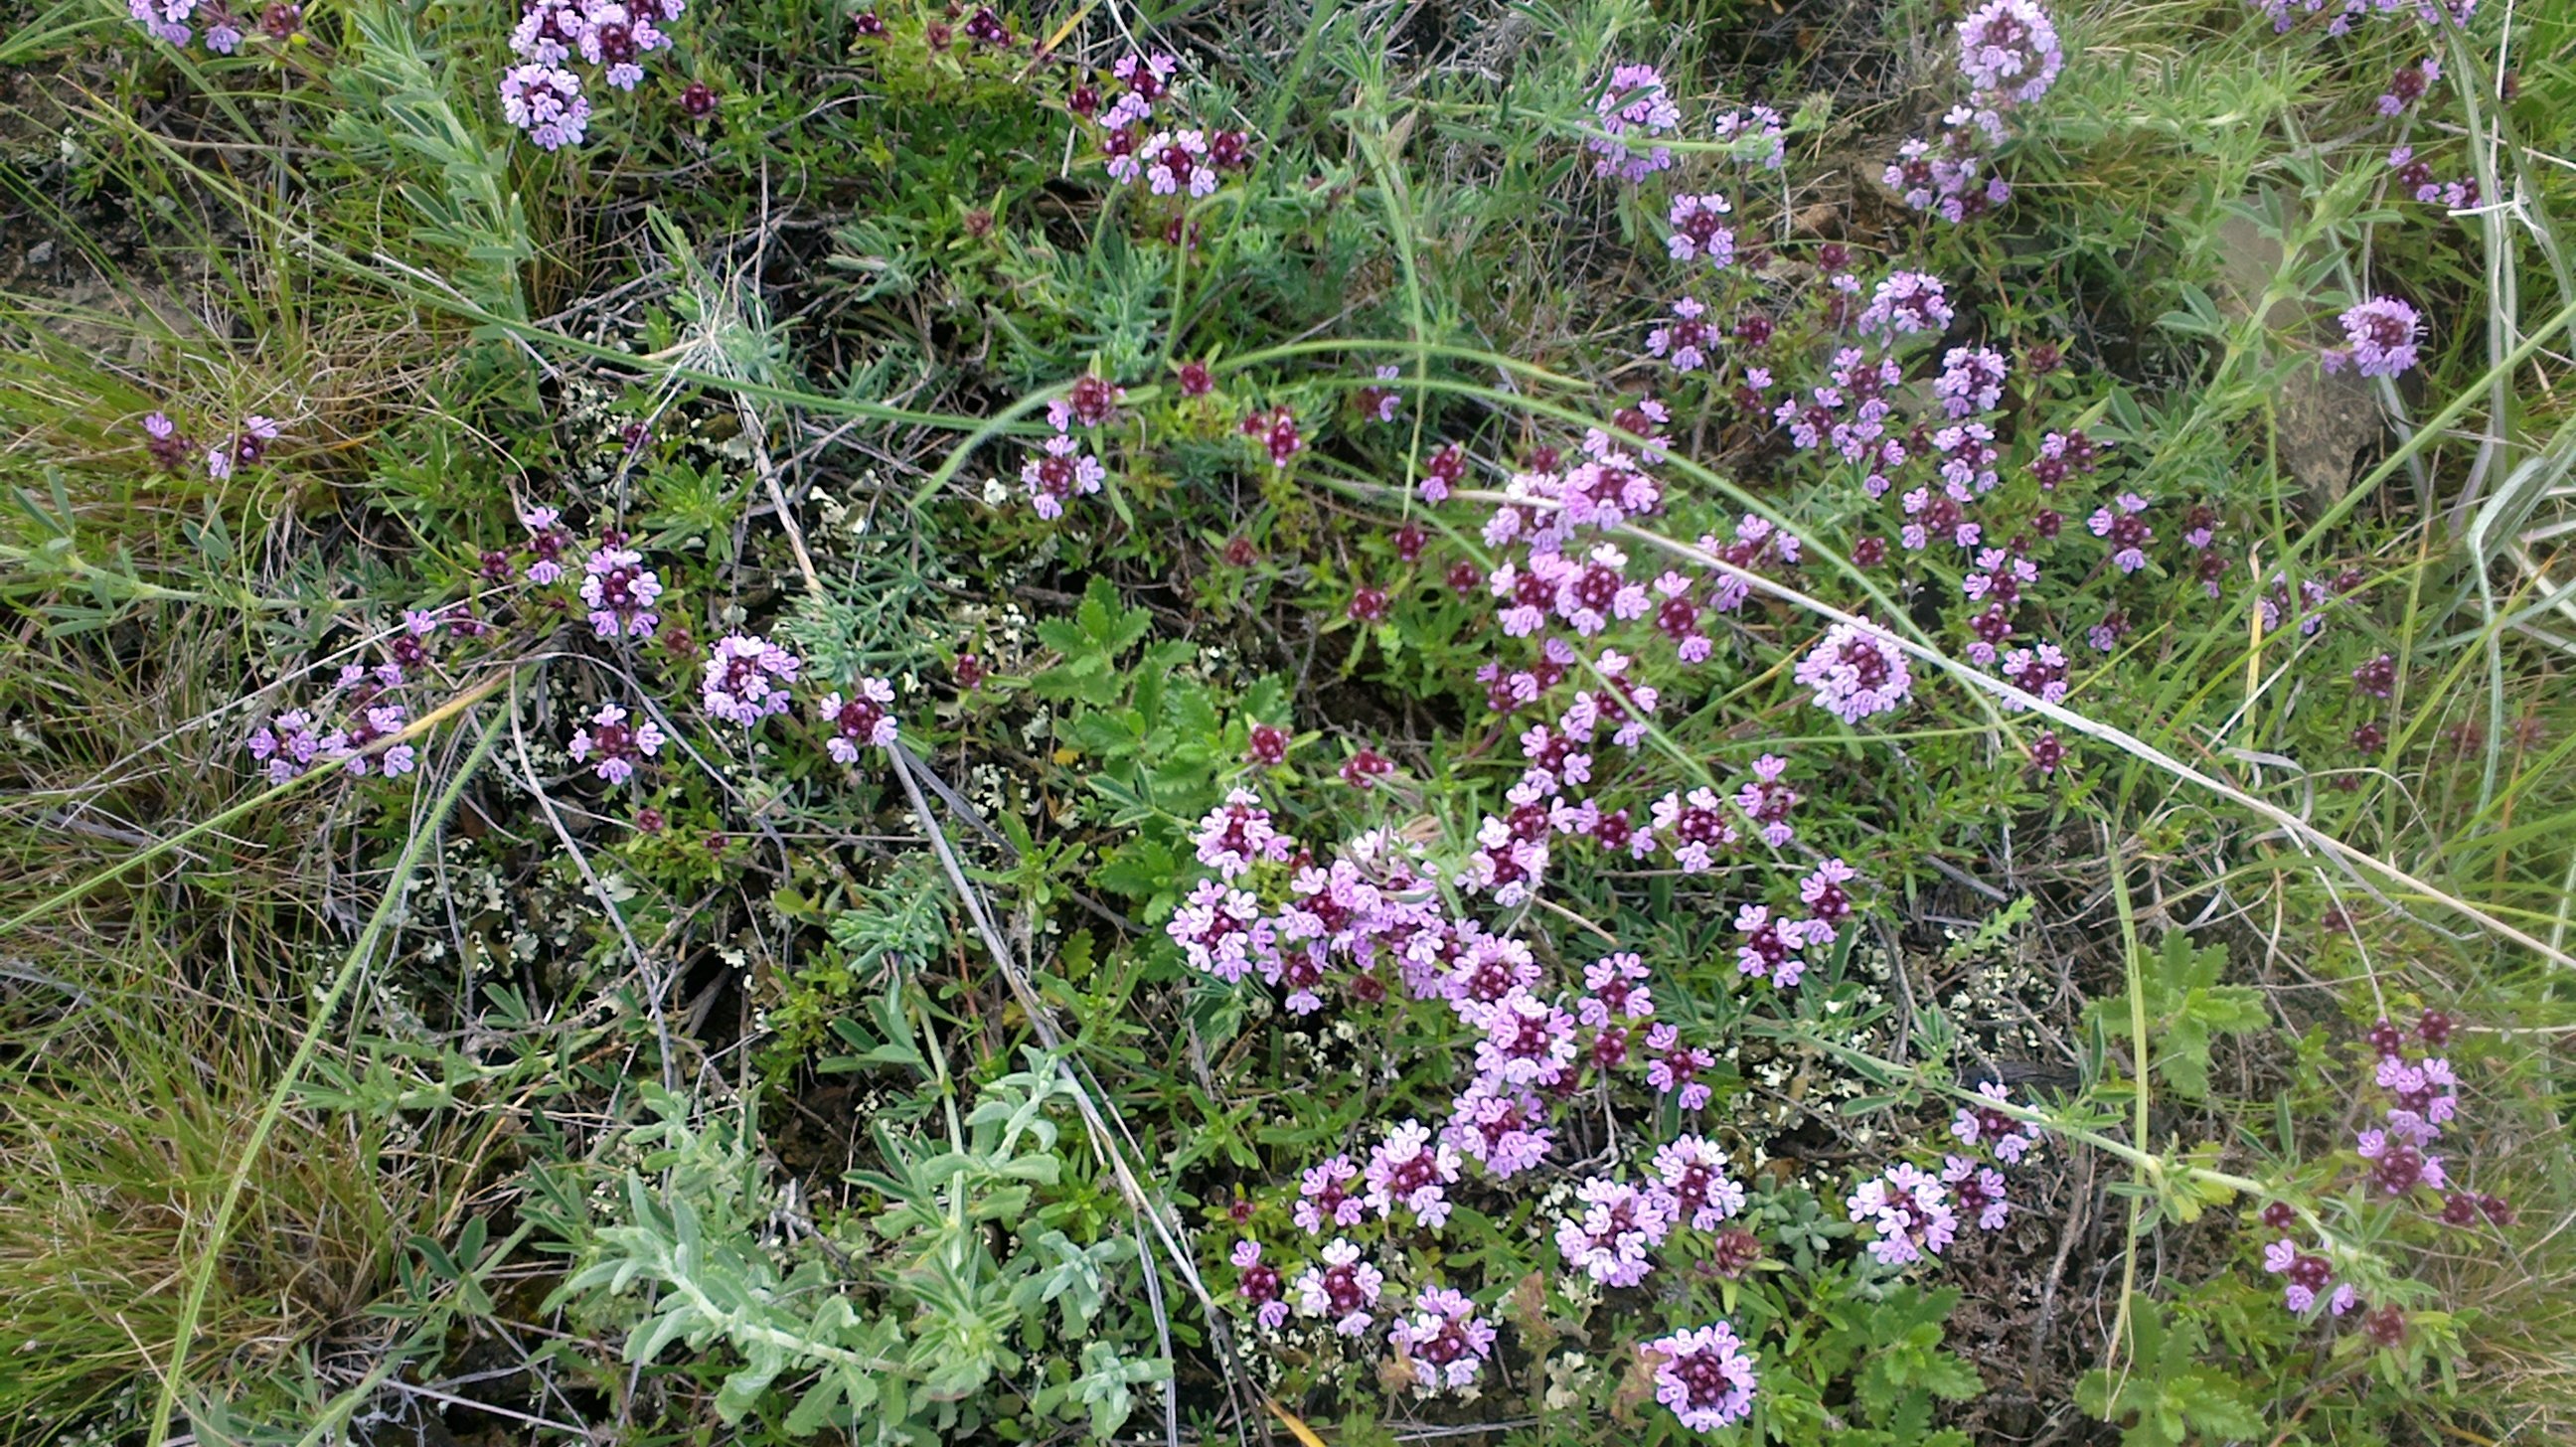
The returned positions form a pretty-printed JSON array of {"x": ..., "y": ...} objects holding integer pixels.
[
  {"x": 1913, "y": 1214},
  {"x": 1700, "y": 232},
  {"x": 611, "y": 745},
  {"x": 541, "y": 96},
  {"x": 355, "y": 721},
  {"x": 1343, "y": 1287},
  {"x": 1635, "y": 111},
  {"x": 1908, "y": 1212},
  {"x": 2009, "y": 52},
  {"x": 174, "y": 22},
  {"x": 1612, "y": 1235},
  {"x": 2381, "y": 338},
  {"x": 1704, "y": 1375},
  {"x": 1447, "y": 1342},
  {"x": 863, "y": 720},
  {"x": 2010, "y": 56},
  {"x": 297, "y": 741},
  {"x": 620, "y": 591},
  {"x": 1756, "y": 134},
  {"x": 247, "y": 446},
  {"x": 2420, "y": 1100},
  {"x": 2415, "y": 177},
  {"x": 1856, "y": 671},
  {"x": 1182, "y": 161},
  {"x": 2433, "y": 14},
  {"x": 746, "y": 679}
]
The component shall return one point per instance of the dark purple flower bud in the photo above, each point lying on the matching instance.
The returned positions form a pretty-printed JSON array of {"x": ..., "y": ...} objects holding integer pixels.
[
  {"x": 2385, "y": 1325},
  {"x": 1269, "y": 746}
]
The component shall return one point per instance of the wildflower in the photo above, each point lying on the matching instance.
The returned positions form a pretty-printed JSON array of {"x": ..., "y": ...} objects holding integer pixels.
[
  {"x": 2378, "y": 677},
  {"x": 1501, "y": 1126},
  {"x": 1700, "y": 231},
  {"x": 162, "y": 439},
  {"x": 746, "y": 679},
  {"x": 1277, "y": 430},
  {"x": 2039, "y": 672},
  {"x": 1091, "y": 402},
  {"x": 620, "y": 591},
  {"x": 1269, "y": 746},
  {"x": 1446, "y": 469},
  {"x": 1771, "y": 947},
  {"x": 1611, "y": 1238},
  {"x": 1230, "y": 150},
  {"x": 2380, "y": 338},
  {"x": 1971, "y": 380},
  {"x": 1733, "y": 1252},
  {"x": 698, "y": 100},
  {"x": 285, "y": 746},
  {"x": 1260, "y": 1285},
  {"x": 863, "y": 720},
  {"x": 1368, "y": 605},
  {"x": 1634, "y": 101},
  {"x": 1322, "y": 1200},
  {"x": 357, "y": 743},
  {"x": 2007, "y": 1136},
  {"x": 1060, "y": 473},
  {"x": 1343, "y": 1288},
  {"x": 1409, "y": 1169},
  {"x": 1674, "y": 1069},
  {"x": 1489, "y": 968},
  {"x": 1767, "y": 800},
  {"x": 2047, "y": 753},
  {"x": 1977, "y": 1190},
  {"x": 1691, "y": 1185},
  {"x": 1704, "y": 1375},
  {"x": 1363, "y": 769},
  {"x": 1685, "y": 340},
  {"x": 246, "y": 448},
  {"x": 1381, "y": 402},
  {"x": 1696, "y": 826},
  {"x": 1756, "y": 133},
  {"x": 1444, "y": 1336},
  {"x": 1527, "y": 1041},
  {"x": 1856, "y": 671},
  {"x": 611, "y": 745},
  {"x": 1909, "y": 1213},
  {"x": 2409, "y": 84},
  {"x": 1237, "y": 834},
  {"x": 164, "y": 18},
  {"x": 546, "y": 102},
  {"x": 2385, "y": 1326},
  {"x": 1221, "y": 931},
  {"x": 2398, "y": 1166},
  {"x": 615, "y": 39},
  {"x": 2308, "y": 1275},
  {"x": 1617, "y": 986},
  {"x": 1906, "y": 302},
  {"x": 2009, "y": 49},
  {"x": 1147, "y": 77},
  {"x": 1826, "y": 900},
  {"x": 1177, "y": 161},
  {"x": 2128, "y": 533}
]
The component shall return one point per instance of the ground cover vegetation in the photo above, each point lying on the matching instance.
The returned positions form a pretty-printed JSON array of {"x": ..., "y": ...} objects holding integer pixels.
[{"x": 1564, "y": 722}]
